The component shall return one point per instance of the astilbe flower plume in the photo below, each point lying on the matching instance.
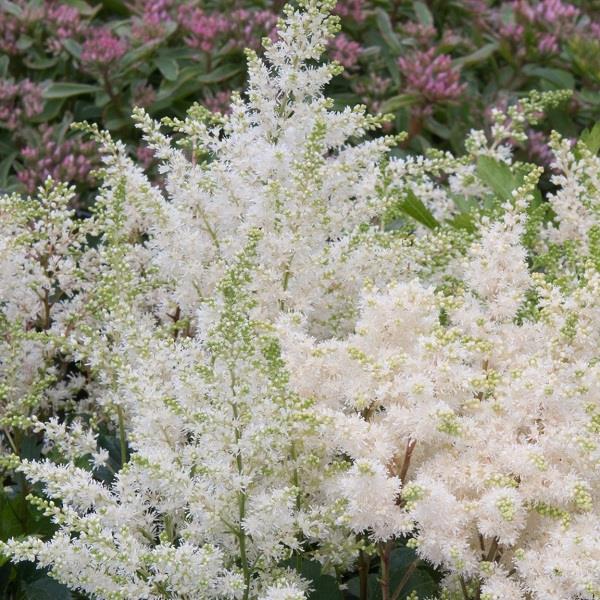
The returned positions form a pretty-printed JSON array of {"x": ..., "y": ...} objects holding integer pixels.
[{"x": 264, "y": 343}]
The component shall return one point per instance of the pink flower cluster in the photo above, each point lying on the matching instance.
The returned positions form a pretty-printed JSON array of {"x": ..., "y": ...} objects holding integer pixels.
[
  {"x": 10, "y": 30},
  {"x": 69, "y": 160},
  {"x": 18, "y": 102},
  {"x": 345, "y": 51},
  {"x": 219, "y": 102},
  {"x": 351, "y": 9},
  {"x": 102, "y": 47},
  {"x": 203, "y": 28},
  {"x": 433, "y": 77},
  {"x": 546, "y": 12},
  {"x": 65, "y": 22},
  {"x": 250, "y": 26},
  {"x": 156, "y": 14},
  {"x": 548, "y": 21}
]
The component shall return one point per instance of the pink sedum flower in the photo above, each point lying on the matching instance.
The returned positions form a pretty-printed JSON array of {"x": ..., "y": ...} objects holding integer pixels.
[
  {"x": 18, "y": 102},
  {"x": 203, "y": 28},
  {"x": 433, "y": 77},
  {"x": 345, "y": 51},
  {"x": 69, "y": 160},
  {"x": 102, "y": 47}
]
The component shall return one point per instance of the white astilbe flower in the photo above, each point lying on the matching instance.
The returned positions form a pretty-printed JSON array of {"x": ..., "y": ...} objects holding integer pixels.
[{"x": 487, "y": 415}]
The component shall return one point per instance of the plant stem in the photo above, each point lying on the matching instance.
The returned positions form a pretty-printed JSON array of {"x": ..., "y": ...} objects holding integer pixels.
[
  {"x": 407, "y": 574},
  {"x": 385, "y": 550},
  {"x": 11, "y": 441},
  {"x": 363, "y": 574},
  {"x": 122, "y": 438},
  {"x": 241, "y": 497}
]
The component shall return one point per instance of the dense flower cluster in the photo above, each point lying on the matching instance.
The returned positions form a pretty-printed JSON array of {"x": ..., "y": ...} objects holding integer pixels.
[{"x": 304, "y": 348}]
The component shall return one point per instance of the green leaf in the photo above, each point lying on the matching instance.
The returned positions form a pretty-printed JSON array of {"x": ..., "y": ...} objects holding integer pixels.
[
  {"x": 67, "y": 90},
  {"x": 591, "y": 138},
  {"x": 324, "y": 587},
  {"x": 391, "y": 105},
  {"x": 40, "y": 62},
  {"x": 4, "y": 62},
  {"x": 478, "y": 56},
  {"x": 387, "y": 31},
  {"x": 24, "y": 42},
  {"x": 559, "y": 77},
  {"x": 5, "y": 166},
  {"x": 45, "y": 588},
  {"x": 11, "y": 8},
  {"x": 423, "y": 13},
  {"x": 414, "y": 208},
  {"x": 72, "y": 47},
  {"x": 497, "y": 176},
  {"x": 51, "y": 109},
  {"x": 190, "y": 80},
  {"x": 168, "y": 67}
]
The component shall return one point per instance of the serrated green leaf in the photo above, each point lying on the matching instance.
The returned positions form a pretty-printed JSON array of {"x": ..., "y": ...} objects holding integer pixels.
[
  {"x": 497, "y": 176},
  {"x": 414, "y": 208},
  {"x": 591, "y": 138},
  {"x": 67, "y": 90}
]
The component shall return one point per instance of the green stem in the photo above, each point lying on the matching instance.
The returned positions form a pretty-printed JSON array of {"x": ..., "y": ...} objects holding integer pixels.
[
  {"x": 122, "y": 438},
  {"x": 241, "y": 497},
  {"x": 11, "y": 441}
]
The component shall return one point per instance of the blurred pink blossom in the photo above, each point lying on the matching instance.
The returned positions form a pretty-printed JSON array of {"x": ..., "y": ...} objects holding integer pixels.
[
  {"x": 70, "y": 160},
  {"x": 219, "y": 102},
  {"x": 345, "y": 51},
  {"x": 351, "y": 9},
  {"x": 433, "y": 77},
  {"x": 19, "y": 101},
  {"x": 102, "y": 47},
  {"x": 203, "y": 28},
  {"x": 250, "y": 26}
]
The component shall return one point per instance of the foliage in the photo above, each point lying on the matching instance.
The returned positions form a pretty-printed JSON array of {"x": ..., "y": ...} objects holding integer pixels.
[
  {"x": 438, "y": 67},
  {"x": 302, "y": 362}
]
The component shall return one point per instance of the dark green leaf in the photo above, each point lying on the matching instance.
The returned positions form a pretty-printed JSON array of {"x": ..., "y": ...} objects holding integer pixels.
[
  {"x": 414, "y": 208},
  {"x": 5, "y": 166},
  {"x": 46, "y": 588},
  {"x": 387, "y": 32}
]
